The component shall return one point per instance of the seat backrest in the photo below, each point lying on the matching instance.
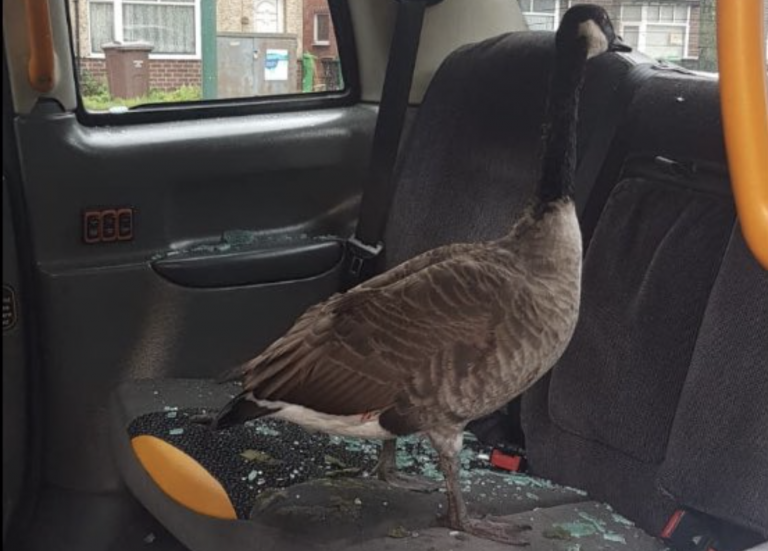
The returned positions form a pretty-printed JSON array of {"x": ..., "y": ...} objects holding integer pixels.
[
  {"x": 717, "y": 456},
  {"x": 650, "y": 312},
  {"x": 663, "y": 219},
  {"x": 472, "y": 157}
]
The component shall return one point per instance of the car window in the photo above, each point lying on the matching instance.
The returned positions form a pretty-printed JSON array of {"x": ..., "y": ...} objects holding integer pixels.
[
  {"x": 680, "y": 32},
  {"x": 135, "y": 52}
]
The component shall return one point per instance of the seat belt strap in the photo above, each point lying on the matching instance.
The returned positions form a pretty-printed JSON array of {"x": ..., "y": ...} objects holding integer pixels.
[{"x": 367, "y": 244}]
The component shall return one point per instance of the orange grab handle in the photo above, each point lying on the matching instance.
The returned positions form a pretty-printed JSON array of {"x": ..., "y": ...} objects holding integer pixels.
[
  {"x": 744, "y": 98},
  {"x": 42, "y": 64}
]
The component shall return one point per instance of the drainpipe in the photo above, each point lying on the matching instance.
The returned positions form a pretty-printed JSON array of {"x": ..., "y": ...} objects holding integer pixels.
[
  {"x": 78, "y": 53},
  {"x": 209, "y": 48}
]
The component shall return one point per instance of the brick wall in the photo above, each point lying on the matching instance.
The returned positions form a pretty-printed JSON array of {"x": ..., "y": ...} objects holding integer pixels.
[
  {"x": 95, "y": 68},
  {"x": 293, "y": 21},
  {"x": 330, "y": 51},
  {"x": 312, "y": 8},
  {"x": 167, "y": 75},
  {"x": 173, "y": 74},
  {"x": 694, "y": 42}
]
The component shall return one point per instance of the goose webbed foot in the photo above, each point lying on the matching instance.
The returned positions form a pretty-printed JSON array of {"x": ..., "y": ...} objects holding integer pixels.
[
  {"x": 495, "y": 529},
  {"x": 448, "y": 445},
  {"x": 387, "y": 472}
]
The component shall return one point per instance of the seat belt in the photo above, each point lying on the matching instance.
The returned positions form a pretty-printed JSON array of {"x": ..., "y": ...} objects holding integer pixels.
[
  {"x": 366, "y": 246},
  {"x": 592, "y": 163}
]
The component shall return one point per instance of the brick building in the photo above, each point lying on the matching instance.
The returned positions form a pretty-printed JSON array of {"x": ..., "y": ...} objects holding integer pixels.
[
  {"x": 174, "y": 28},
  {"x": 319, "y": 41},
  {"x": 664, "y": 29},
  {"x": 681, "y": 31}
]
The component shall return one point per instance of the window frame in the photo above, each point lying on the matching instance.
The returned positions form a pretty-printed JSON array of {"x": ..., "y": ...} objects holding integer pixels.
[
  {"x": 246, "y": 106},
  {"x": 280, "y": 10},
  {"x": 119, "y": 27},
  {"x": 315, "y": 40},
  {"x": 561, "y": 6},
  {"x": 644, "y": 24}
]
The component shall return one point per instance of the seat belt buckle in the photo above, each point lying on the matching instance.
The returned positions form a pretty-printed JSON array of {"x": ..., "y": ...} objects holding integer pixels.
[
  {"x": 685, "y": 531},
  {"x": 361, "y": 254}
]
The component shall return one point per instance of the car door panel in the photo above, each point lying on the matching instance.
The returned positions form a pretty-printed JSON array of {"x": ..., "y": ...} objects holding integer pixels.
[
  {"x": 233, "y": 236},
  {"x": 14, "y": 374},
  {"x": 192, "y": 180},
  {"x": 133, "y": 324}
]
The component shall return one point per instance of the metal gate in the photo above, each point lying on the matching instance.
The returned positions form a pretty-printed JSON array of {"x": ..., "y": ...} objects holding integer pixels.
[{"x": 257, "y": 65}]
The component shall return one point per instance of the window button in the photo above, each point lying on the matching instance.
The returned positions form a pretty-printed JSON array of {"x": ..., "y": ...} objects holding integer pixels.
[
  {"x": 109, "y": 226},
  {"x": 92, "y": 227},
  {"x": 125, "y": 224}
]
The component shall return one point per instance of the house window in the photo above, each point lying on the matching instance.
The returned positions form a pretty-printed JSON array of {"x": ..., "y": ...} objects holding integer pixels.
[
  {"x": 171, "y": 26},
  {"x": 322, "y": 29},
  {"x": 244, "y": 49},
  {"x": 102, "y": 19},
  {"x": 269, "y": 16},
  {"x": 662, "y": 31},
  {"x": 543, "y": 15}
]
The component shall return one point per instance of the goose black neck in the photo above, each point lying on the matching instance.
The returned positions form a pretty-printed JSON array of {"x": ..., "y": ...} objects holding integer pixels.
[{"x": 558, "y": 170}]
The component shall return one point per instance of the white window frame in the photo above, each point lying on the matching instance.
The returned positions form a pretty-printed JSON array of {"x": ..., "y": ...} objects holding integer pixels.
[
  {"x": 119, "y": 31},
  {"x": 280, "y": 6},
  {"x": 561, "y": 6},
  {"x": 316, "y": 40},
  {"x": 644, "y": 24}
]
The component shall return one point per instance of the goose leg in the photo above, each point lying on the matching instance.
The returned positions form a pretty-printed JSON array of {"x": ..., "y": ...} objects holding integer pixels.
[
  {"x": 448, "y": 448},
  {"x": 387, "y": 471}
]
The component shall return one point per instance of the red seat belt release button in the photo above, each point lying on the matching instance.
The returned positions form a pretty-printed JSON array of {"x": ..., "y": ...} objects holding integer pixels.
[
  {"x": 686, "y": 531},
  {"x": 507, "y": 462}
]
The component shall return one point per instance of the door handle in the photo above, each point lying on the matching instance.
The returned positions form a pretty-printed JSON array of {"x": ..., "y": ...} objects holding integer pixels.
[{"x": 258, "y": 265}]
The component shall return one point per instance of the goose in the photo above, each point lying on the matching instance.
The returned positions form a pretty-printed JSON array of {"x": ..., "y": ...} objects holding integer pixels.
[{"x": 453, "y": 334}]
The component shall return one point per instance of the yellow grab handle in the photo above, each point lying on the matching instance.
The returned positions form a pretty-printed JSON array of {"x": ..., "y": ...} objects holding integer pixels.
[
  {"x": 42, "y": 64},
  {"x": 182, "y": 478},
  {"x": 744, "y": 98}
]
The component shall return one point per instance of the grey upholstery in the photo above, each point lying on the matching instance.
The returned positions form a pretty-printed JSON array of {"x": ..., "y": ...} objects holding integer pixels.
[
  {"x": 652, "y": 270},
  {"x": 333, "y": 514},
  {"x": 608, "y": 418},
  {"x": 647, "y": 276},
  {"x": 471, "y": 162},
  {"x": 718, "y": 448}
]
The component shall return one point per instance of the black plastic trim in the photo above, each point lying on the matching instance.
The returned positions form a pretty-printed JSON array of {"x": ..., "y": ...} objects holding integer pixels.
[
  {"x": 171, "y": 112},
  {"x": 29, "y": 310}
]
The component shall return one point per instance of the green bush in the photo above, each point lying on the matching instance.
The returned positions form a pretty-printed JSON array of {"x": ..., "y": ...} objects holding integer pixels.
[
  {"x": 91, "y": 86},
  {"x": 102, "y": 101}
]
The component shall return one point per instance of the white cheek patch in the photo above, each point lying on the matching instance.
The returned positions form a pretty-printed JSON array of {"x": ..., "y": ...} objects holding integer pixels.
[{"x": 597, "y": 43}]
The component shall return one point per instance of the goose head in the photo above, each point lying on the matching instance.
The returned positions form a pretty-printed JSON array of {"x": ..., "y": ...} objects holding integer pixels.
[{"x": 590, "y": 27}]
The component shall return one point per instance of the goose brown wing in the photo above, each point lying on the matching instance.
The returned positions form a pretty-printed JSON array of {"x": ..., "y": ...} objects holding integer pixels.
[{"x": 357, "y": 352}]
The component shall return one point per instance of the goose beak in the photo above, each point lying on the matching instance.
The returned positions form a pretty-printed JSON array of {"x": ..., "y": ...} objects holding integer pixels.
[{"x": 618, "y": 45}]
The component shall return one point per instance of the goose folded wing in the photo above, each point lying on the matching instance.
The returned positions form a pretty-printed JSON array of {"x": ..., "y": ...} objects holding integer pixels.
[
  {"x": 358, "y": 352},
  {"x": 417, "y": 264}
]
